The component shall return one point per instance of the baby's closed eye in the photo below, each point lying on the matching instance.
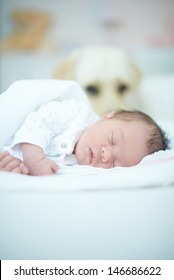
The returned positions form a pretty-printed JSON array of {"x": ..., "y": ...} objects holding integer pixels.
[{"x": 111, "y": 138}]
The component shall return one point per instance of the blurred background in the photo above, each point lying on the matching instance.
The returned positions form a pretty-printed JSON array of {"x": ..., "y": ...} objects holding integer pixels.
[{"x": 36, "y": 35}]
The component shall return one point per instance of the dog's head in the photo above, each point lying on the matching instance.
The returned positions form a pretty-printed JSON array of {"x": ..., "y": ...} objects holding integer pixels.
[{"x": 108, "y": 75}]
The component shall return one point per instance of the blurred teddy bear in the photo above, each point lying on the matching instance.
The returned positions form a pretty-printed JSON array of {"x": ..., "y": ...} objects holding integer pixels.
[{"x": 30, "y": 29}]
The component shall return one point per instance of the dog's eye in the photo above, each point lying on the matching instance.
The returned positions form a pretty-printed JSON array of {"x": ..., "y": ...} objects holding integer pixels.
[
  {"x": 93, "y": 90},
  {"x": 122, "y": 88}
]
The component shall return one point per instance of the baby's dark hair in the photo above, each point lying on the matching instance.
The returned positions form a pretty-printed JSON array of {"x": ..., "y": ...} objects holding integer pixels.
[{"x": 157, "y": 139}]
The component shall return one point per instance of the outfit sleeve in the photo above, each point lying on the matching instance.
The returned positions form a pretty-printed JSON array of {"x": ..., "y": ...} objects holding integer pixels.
[{"x": 47, "y": 122}]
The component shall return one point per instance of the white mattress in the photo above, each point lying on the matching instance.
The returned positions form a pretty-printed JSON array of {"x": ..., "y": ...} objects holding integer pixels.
[{"x": 45, "y": 221}]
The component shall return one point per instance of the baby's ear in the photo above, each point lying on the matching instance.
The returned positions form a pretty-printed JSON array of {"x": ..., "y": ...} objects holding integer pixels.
[{"x": 108, "y": 115}]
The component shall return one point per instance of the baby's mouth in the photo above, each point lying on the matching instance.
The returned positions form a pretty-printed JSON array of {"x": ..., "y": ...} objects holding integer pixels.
[{"x": 91, "y": 155}]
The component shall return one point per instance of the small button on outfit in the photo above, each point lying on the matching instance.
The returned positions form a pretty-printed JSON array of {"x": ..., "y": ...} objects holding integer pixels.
[{"x": 63, "y": 145}]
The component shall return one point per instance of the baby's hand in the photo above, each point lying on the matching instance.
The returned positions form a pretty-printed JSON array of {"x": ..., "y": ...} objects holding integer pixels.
[
  {"x": 12, "y": 164},
  {"x": 36, "y": 161},
  {"x": 42, "y": 167}
]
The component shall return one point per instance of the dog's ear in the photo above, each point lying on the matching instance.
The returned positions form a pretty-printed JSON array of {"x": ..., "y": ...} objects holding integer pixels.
[{"x": 66, "y": 69}]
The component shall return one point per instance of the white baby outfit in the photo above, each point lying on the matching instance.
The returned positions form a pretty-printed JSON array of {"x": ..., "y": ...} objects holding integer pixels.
[{"x": 56, "y": 127}]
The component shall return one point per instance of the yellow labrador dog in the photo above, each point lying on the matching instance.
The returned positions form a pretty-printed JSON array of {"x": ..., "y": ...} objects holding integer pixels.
[{"x": 107, "y": 74}]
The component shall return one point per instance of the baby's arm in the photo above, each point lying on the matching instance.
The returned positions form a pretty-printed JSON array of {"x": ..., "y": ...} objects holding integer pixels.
[
  {"x": 36, "y": 161},
  {"x": 12, "y": 164},
  {"x": 38, "y": 130}
]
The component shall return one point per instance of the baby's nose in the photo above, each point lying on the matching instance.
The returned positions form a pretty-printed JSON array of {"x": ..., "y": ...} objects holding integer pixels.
[{"x": 105, "y": 154}]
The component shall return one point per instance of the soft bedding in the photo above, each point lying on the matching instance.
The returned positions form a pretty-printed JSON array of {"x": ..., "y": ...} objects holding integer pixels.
[{"x": 153, "y": 170}]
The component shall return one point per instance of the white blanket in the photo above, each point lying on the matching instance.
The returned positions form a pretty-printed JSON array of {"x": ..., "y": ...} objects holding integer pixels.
[
  {"x": 27, "y": 95},
  {"x": 24, "y": 96}
]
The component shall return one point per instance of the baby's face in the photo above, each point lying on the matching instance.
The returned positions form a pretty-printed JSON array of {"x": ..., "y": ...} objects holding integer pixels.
[{"x": 112, "y": 142}]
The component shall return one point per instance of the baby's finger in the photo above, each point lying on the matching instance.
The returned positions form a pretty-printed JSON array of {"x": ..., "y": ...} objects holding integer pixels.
[
  {"x": 6, "y": 160},
  {"x": 24, "y": 168},
  {"x": 16, "y": 170},
  {"x": 11, "y": 164},
  {"x": 5, "y": 157},
  {"x": 3, "y": 154}
]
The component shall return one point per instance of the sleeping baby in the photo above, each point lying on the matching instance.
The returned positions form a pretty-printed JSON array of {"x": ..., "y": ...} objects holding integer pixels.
[{"x": 70, "y": 131}]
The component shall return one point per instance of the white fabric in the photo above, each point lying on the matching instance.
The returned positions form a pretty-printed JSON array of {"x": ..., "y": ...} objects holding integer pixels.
[
  {"x": 155, "y": 171},
  {"x": 56, "y": 128},
  {"x": 25, "y": 96}
]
